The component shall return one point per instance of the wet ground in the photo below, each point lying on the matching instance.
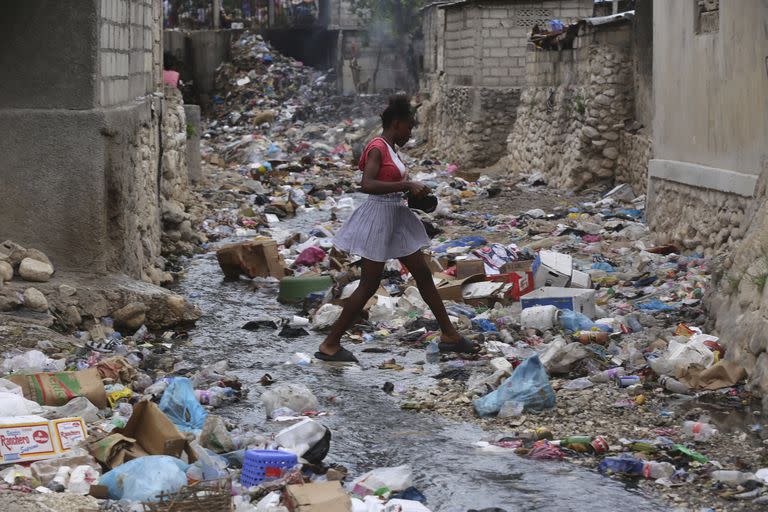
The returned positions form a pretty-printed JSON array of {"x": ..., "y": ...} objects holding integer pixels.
[{"x": 369, "y": 428}]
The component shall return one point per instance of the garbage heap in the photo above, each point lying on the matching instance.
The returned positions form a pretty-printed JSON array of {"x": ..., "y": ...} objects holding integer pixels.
[
  {"x": 586, "y": 328},
  {"x": 132, "y": 426}
]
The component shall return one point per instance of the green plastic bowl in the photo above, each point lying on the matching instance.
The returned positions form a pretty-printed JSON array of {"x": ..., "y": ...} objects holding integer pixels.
[{"x": 295, "y": 289}]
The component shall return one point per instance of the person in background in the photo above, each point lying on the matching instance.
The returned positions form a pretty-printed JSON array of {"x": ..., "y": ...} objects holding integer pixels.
[{"x": 383, "y": 228}]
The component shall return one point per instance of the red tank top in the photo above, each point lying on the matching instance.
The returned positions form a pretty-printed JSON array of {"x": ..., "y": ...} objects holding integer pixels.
[{"x": 389, "y": 170}]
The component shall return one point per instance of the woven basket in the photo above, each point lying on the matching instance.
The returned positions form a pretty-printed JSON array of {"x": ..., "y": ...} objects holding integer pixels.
[{"x": 206, "y": 496}]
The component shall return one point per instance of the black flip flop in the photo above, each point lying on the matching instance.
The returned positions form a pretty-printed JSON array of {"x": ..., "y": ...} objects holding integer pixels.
[
  {"x": 463, "y": 346},
  {"x": 341, "y": 356}
]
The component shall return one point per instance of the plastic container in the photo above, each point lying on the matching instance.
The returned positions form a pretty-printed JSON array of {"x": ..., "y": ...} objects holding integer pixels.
[
  {"x": 295, "y": 289},
  {"x": 261, "y": 465},
  {"x": 699, "y": 431},
  {"x": 732, "y": 477},
  {"x": 541, "y": 318},
  {"x": 433, "y": 352},
  {"x": 609, "y": 375},
  {"x": 674, "y": 385}
]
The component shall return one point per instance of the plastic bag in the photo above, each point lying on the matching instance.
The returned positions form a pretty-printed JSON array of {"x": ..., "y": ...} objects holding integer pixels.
[
  {"x": 215, "y": 435},
  {"x": 574, "y": 321},
  {"x": 180, "y": 404},
  {"x": 144, "y": 478},
  {"x": 395, "y": 479},
  {"x": 79, "y": 406},
  {"x": 559, "y": 356},
  {"x": 326, "y": 316},
  {"x": 12, "y": 404},
  {"x": 310, "y": 256},
  {"x": 681, "y": 355},
  {"x": 528, "y": 385},
  {"x": 33, "y": 361},
  {"x": 295, "y": 397}
]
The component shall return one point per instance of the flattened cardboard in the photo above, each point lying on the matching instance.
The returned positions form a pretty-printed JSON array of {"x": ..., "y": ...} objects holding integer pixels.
[
  {"x": 154, "y": 433},
  {"x": 317, "y": 497},
  {"x": 60, "y": 387},
  {"x": 450, "y": 289},
  {"x": 468, "y": 268}
]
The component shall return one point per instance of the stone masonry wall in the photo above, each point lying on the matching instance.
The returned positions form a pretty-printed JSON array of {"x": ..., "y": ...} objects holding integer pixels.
[
  {"x": 573, "y": 112},
  {"x": 696, "y": 219},
  {"x": 635, "y": 150},
  {"x": 472, "y": 123},
  {"x": 738, "y": 297}
]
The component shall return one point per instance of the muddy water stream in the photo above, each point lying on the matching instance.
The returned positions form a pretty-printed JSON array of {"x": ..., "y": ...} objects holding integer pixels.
[{"x": 369, "y": 428}]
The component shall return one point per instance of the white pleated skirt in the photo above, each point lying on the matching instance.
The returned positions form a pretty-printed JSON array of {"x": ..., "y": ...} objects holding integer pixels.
[{"x": 381, "y": 229}]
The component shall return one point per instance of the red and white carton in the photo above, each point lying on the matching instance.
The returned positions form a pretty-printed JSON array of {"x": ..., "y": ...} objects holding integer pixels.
[
  {"x": 68, "y": 432},
  {"x": 30, "y": 438}
]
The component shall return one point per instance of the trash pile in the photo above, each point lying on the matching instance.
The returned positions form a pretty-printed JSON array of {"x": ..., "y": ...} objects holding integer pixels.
[{"x": 133, "y": 425}]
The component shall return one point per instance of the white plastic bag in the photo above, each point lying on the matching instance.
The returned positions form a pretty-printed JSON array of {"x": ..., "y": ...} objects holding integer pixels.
[
  {"x": 559, "y": 356},
  {"x": 326, "y": 315},
  {"x": 296, "y": 397},
  {"x": 395, "y": 479},
  {"x": 12, "y": 405},
  {"x": 680, "y": 355}
]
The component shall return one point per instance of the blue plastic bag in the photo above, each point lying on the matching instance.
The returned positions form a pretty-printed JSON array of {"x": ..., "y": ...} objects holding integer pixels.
[
  {"x": 144, "y": 478},
  {"x": 656, "y": 305},
  {"x": 574, "y": 321},
  {"x": 180, "y": 404},
  {"x": 529, "y": 385},
  {"x": 484, "y": 325}
]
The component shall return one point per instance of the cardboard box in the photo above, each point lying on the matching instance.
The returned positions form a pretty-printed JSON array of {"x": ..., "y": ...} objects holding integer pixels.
[
  {"x": 581, "y": 279},
  {"x": 552, "y": 269},
  {"x": 30, "y": 438},
  {"x": 317, "y": 497},
  {"x": 581, "y": 301},
  {"x": 469, "y": 268},
  {"x": 148, "y": 432},
  {"x": 521, "y": 281},
  {"x": 450, "y": 289},
  {"x": 60, "y": 387},
  {"x": 257, "y": 258}
]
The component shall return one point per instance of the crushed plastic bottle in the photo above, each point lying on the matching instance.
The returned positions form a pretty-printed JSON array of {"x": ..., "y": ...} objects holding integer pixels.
[
  {"x": 699, "y": 431},
  {"x": 732, "y": 477},
  {"x": 674, "y": 385},
  {"x": 433, "y": 352},
  {"x": 609, "y": 375}
]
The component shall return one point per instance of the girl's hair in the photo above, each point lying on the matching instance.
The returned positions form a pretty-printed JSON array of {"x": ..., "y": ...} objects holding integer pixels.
[{"x": 399, "y": 108}]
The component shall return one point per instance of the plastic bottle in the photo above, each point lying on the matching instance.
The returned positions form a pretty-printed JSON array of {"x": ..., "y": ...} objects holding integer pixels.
[
  {"x": 674, "y": 385},
  {"x": 589, "y": 337},
  {"x": 583, "y": 444},
  {"x": 59, "y": 482},
  {"x": 433, "y": 352},
  {"x": 656, "y": 470},
  {"x": 699, "y": 431},
  {"x": 732, "y": 477},
  {"x": 607, "y": 375}
]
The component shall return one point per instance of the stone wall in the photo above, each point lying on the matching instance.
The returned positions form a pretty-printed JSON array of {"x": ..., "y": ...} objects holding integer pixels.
[
  {"x": 696, "y": 218},
  {"x": 635, "y": 150},
  {"x": 738, "y": 297},
  {"x": 471, "y": 123},
  {"x": 572, "y": 114}
]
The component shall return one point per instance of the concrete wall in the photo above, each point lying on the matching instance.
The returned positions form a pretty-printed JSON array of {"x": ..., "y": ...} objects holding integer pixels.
[
  {"x": 717, "y": 82},
  {"x": 81, "y": 170},
  {"x": 201, "y": 52},
  {"x": 485, "y": 41},
  {"x": 43, "y": 65},
  {"x": 710, "y": 128}
]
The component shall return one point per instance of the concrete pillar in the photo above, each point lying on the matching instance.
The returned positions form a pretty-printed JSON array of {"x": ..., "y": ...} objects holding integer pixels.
[
  {"x": 271, "y": 10},
  {"x": 615, "y": 6},
  {"x": 194, "y": 166},
  {"x": 216, "y": 14}
]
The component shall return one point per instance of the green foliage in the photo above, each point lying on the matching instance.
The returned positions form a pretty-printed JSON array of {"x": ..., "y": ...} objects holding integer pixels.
[
  {"x": 191, "y": 132},
  {"x": 733, "y": 282}
]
